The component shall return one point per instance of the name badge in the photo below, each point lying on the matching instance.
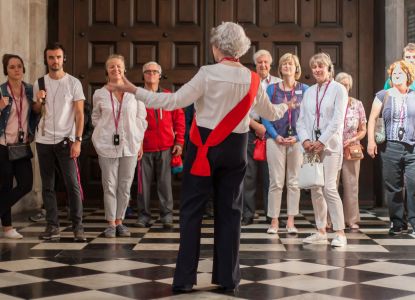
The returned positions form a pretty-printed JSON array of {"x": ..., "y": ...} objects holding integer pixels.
[{"x": 298, "y": 92}]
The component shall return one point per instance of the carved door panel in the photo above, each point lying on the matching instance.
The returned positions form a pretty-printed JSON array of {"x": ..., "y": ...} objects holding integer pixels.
[{"x": 175, "y": 33}]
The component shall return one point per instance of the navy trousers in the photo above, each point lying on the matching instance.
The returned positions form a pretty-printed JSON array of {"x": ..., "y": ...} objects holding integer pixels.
[{"x": 228, "y": 164}]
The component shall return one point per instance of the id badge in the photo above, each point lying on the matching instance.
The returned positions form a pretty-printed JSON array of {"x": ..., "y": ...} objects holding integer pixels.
[
  {"x": 317, "y": 133},
  {"x": 401, "y": 132},
  {"x": 116, "y": 139},
  {"x": 21, "y": 136}
]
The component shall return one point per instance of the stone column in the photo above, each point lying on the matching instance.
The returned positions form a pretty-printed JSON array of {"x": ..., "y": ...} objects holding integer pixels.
[
  {"x": 23, "y": 30},
  {"x": 394, "y": 30}
]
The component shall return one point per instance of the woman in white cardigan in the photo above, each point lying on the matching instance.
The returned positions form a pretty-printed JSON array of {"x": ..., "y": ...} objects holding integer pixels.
[
  {"x": 320, "y": 129},
  {"x": 120, "y": 122}
]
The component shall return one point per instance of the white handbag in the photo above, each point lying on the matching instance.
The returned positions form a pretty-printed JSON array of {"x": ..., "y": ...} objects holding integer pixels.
[{"x": 311, "y": 173}]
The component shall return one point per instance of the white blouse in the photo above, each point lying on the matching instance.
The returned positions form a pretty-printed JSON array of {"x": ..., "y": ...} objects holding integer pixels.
[
  {"x": 131, "y": 126},
  {"x": 332, "y": 112},
  {"x": 215, "y": 90}
]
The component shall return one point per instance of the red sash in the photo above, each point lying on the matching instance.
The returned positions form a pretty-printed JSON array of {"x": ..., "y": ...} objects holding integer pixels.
[{"x": 201, "y": 165}]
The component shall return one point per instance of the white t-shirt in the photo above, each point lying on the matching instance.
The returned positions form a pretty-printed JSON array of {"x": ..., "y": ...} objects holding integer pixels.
[{"x": 60, "y": 113}]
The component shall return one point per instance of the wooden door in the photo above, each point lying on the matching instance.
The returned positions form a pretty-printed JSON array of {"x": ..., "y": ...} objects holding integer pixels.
[{"x": 175, "y": 33}]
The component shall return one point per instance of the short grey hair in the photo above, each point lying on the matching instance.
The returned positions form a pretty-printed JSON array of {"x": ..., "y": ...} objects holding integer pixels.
[
  {"x": 343, "y": 75},
  {"x": 262, "y": 52},
  {"x": 230, "y": 39},
  {"x": 151, "y": 63}
]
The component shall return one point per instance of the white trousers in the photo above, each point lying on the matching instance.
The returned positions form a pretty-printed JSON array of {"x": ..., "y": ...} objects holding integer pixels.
[
  {"x": 284, "y": 164},
  {"x": 117, "y": 177},
  {"x": 328, "y": 197}
]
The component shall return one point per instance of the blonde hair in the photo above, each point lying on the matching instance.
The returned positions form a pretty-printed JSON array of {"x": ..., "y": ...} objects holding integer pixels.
[
  {"x": 323, "y": 59},
  {"x": 406, "y": 67},
  {"x": 290, "y": 57},
  {"x": 112, "y": 56},
  {"x": 260, "y": 53},
  {"x": 344, "y": 75},
  {"x": 409, "y": 47}
]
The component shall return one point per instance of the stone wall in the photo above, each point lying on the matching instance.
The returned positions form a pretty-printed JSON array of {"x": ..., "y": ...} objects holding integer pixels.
[{"x": 23, "y": 30}]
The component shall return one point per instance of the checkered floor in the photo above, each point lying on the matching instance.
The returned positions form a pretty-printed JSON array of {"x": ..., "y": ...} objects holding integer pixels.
[{"x": 374, "y": 265}]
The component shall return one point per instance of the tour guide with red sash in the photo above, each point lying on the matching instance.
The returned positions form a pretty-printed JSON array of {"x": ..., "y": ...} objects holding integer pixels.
[
  {"x": 215, "y": 163},
  {"x": 201, "y": 165}
]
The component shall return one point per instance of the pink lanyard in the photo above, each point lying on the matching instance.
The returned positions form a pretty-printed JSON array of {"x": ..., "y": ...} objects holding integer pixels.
[
  {"x": 401, "y": 114},
  {"x": 286, "y": 100},
  {"x": 19, "y": 111},
  {"x": 116, "y": 119},
  {"x": 318, "y": 105}
]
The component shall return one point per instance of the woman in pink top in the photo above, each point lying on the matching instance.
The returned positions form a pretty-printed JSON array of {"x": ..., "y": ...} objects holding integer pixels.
[{"x": 354, "y": 131}]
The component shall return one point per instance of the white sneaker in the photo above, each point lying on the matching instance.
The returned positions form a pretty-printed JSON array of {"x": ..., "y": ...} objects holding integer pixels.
[
  {"x": 12, "y": 234},
  {"x": 316, "y": 238},
  {"x": 339, "y": 241},
  {"x": 272, "y": 230},
  {"x": 292, "y": 230}
]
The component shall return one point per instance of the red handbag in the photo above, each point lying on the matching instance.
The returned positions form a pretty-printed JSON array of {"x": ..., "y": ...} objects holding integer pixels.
[{"x": 260, "y": 151}]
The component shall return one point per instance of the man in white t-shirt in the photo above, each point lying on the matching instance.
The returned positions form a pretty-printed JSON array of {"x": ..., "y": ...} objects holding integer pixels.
[{"x": 58, "y": 139}]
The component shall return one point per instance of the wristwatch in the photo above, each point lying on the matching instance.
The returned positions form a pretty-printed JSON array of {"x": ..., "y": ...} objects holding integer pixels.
[{"x": 78, "y": 138}]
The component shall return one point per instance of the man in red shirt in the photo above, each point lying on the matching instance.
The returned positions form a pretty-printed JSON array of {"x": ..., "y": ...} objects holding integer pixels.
[{"x": 163, "y": 139}]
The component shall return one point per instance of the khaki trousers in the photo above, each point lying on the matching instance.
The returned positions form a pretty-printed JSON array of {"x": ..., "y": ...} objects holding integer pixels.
[
  {"x": 284, "y": 164},
  {"x": 350, "y": 179}
]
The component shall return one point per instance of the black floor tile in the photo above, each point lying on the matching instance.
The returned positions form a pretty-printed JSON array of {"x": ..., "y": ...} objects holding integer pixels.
[
  {"x": 259, "y": 274},
  {"x": 146, "y": 290},
  {"x": 363, "y": 291},
  {"x": 152, "y": 273},
  {"x": 350, "y": 275},
  {"x": 264, "y": 291},
  {"x": 41, "y": 289},
  {"x": 60, "y": 272}
]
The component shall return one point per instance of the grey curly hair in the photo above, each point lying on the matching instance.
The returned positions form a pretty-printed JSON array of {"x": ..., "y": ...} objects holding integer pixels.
[{"x": 230, "y": 39}]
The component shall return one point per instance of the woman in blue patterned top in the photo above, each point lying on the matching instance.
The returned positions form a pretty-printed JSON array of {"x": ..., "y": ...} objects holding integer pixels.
[
  {"x": 284, "y": 153},
  {"x": 397, "y": 106}
]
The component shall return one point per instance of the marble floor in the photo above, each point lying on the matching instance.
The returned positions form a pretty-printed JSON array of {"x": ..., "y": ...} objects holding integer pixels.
[{"x": 374, "y": 265}]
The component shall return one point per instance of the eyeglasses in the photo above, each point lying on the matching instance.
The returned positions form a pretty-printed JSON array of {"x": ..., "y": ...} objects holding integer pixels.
[{"x": 154, "y": 72}]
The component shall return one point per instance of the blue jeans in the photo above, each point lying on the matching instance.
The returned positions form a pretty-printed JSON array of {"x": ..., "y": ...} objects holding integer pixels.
[{"x": 398, "y": 161}]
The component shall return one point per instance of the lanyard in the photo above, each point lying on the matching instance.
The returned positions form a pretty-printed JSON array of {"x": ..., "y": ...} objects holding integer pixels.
[
  {"x": 116, "y": 119},
  {"x": 318, "y": 105},
  {"x": 229, "y": 58},
  {"x": 19, "y": 111},
  {"x": 286, "y": 100},
  {"x": 401, "y": 114}
]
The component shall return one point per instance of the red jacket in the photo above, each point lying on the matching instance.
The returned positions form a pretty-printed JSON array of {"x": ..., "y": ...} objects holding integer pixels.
[{"x": 165, "y": 129}]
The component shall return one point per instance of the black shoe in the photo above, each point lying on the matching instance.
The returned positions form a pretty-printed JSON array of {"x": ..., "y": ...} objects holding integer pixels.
[
  {"x": 168, "y": 225},
  {"x": 79, "y": 235},
  {"x": 187, "y": 288},
  {"x": 405, "y": 227},
  {"x": 395, "y": 230},
  {"x": 50, "y": 233},
  {"x": 228, "y": 289},
  {"x": 247, "y": 221},
  {"x": 142, "y": 224}
]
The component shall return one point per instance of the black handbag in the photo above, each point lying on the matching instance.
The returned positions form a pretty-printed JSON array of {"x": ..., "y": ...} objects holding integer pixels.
[{"x": 19, "y": 151}]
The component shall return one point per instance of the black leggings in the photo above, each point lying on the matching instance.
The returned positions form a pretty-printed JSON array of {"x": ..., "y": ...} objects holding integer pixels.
[{"x": 21, "y": 170}]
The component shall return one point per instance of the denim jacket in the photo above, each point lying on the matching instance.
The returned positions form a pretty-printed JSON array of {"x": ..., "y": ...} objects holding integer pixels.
[{"x": 32, "y": 116}]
